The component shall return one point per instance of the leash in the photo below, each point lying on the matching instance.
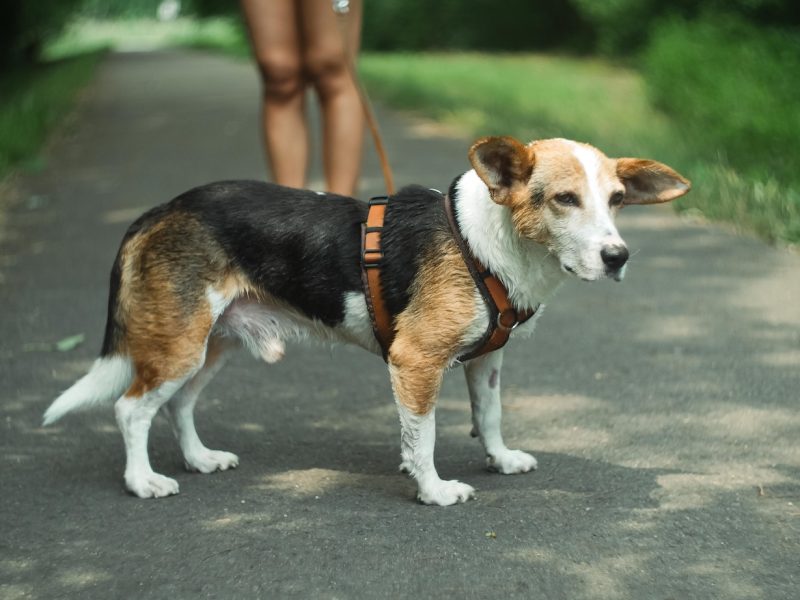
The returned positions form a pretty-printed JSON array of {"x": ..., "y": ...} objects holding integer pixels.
[
  {"x": 342, "y": 9},
  {"x": 503, "y": 317}
]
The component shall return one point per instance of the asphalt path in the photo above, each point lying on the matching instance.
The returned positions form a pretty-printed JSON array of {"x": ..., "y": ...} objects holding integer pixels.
[{"x": 663, "y": 411}]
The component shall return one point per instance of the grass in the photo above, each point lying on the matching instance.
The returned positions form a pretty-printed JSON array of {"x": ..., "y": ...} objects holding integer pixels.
[
  {"x": 528, "y": 96},
  {"x": 536, "y": 96},
  {"x": 35, "y": 99}
]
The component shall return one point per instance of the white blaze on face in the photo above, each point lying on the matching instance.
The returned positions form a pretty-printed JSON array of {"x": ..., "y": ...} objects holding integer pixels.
[{"x": 591, "y": 227}]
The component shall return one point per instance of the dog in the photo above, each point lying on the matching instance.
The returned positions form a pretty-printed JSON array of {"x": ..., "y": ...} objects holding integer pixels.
[{"x": 244, "y": 263}]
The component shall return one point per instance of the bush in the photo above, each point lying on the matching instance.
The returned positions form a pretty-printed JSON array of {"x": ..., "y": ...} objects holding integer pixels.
[
  {"x": 476, "y": 25},
  {"x": 120, "y": 9},
  {"x": 734, "y": 90},
  {"x": 25, "y": 26},
  {"x": 624, "y": 27},
  {"x": 34, "y": 100}
]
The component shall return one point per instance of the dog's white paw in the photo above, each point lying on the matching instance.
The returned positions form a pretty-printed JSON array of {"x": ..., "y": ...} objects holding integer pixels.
[
  {"x": 445, "y": 493},
  {"x": 209, "y": 461},
  {"x": 150, "y": 485},
  {"x": 510, "y": 462}
]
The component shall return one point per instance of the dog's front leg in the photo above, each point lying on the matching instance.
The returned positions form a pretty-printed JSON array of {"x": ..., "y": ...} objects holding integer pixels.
[
  {"x": 483, "y": 381},
  {"x": 416, "y": 385}
]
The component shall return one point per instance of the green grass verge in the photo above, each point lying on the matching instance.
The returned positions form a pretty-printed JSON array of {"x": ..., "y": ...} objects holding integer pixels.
[
  {"x": 529, "y": 96},
  {"x": 35, "y": 99},
  {"x": 535, "y": 96}
]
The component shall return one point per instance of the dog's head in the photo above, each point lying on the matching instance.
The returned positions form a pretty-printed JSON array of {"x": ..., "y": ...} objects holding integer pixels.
[{"x": 565, "y": 195}]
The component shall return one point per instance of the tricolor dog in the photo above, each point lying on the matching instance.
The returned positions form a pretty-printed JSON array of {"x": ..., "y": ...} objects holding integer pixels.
[{"x": 256, "y": 264}]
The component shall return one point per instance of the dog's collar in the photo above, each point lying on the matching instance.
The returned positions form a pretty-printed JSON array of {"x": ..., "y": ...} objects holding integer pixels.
[{"x": 503, "y": 317}]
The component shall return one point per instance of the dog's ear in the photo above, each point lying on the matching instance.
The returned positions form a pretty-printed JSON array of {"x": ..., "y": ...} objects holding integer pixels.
[
  {"x": 650, "y": 182},
  {"x": 503, "y": 164}
]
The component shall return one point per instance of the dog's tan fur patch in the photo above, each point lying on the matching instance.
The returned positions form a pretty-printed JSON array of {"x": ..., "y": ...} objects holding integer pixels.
[
  {"x": 163, "y": 307},
  {"x": 433, "y": 325}
]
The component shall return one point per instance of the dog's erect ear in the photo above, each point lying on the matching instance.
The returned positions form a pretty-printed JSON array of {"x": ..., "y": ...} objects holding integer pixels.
[
  {"x": 503, "y": 164},
  {"x": 650, "y": 182}
]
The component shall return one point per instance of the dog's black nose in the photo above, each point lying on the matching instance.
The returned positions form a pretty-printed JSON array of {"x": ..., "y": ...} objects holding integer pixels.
[{"x": 614, "y": 256}]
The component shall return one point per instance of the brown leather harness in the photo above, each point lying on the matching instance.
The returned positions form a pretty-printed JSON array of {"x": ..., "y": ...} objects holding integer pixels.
[
  {"x": 371, "y": 258},
  {"x": 503, "y": 317}
]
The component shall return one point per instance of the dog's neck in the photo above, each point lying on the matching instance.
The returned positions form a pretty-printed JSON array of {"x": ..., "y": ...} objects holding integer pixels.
[{"x": 527, "y": 269}]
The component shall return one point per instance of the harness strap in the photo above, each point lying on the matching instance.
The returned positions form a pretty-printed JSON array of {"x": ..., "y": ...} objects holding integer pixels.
[
  {"x": 371, "y": 259},
  {"x": 503, "y": 317}
]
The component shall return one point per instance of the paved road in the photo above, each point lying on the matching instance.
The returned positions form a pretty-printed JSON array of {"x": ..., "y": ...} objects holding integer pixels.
[{"x": 664, "y": 411}]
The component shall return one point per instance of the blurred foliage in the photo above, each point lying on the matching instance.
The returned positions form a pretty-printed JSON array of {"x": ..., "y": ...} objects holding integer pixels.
[
  {"x": 619, "y": 27},
  {"x": 477, "y": 25},
  {"x": 119, "y": 9},
  {"x": 33, "y": 99},
  {"x": 622, "y": 27},
  {"x": 214, "y": 8},
  {"x": 459, "y": 25},
  {"x": 538, "y": 96},
  {"x": 722, "y": 103},
  {"x": 734, "y": 89},
  {"x": 25, "y": 26},
  {"x": 142, "y": 35}
]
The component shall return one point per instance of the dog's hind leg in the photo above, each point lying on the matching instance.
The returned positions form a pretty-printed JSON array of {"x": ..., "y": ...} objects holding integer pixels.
[
  {"x": 180, "y": 409},
  {"x": 134, "y": 415},
  {"x": 483, "y": 382},
  {"x": 167, "y": 348}
]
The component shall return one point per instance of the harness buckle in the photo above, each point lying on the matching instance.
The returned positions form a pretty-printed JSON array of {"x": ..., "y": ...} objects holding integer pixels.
[
  {"x": 507, "y": 320},
  {"x": 372, "y": 259}
]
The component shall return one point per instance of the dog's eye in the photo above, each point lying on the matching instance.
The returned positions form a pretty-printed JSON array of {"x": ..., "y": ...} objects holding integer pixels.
[
  {"x": 568, "y": 199},
  {"x": 616, "y": 199}
]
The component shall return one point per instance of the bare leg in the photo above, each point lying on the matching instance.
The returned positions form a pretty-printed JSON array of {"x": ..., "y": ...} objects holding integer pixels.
[
  {"x": 326, "y": 49},
  {"x": 275, "y": 37},
  {"x": 483, "y": 381},
  {"x": 181, "y": 412}
]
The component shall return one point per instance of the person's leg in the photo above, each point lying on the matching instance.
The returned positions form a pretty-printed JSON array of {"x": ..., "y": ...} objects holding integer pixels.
[
  {"x": 275, "y": 37},
  {"x": 325, "y": 56}
]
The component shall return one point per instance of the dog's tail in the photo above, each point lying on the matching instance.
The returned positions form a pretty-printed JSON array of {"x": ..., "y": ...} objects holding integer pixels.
[
  {"x": 105, "y": 381},
  {"x": 112, "y": 373}
]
